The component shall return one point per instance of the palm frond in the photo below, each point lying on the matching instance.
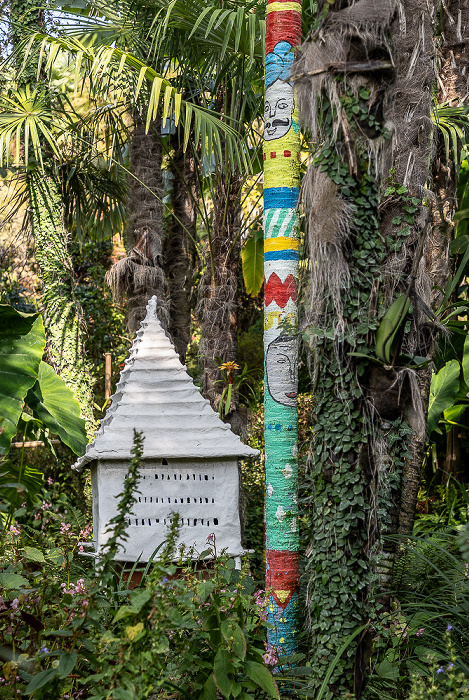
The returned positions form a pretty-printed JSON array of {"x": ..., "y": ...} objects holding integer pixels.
[
  {"x": 26, "y": 121},
  {"x": 108, "y": 67},
  {"x": 453, "y": 123},
  {"x": 236, "y": 26}
]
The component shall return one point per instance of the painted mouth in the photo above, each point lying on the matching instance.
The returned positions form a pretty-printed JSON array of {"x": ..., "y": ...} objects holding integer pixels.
[
  {"x": 292, "y": 395},
  {"x": 280, "y": 122}
]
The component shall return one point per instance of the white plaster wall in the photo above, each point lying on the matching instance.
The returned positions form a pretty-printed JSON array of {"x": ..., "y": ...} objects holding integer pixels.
[{"x": 204, "y": 493}]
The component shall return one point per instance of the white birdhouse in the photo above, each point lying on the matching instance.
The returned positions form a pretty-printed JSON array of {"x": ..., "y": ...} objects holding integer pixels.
[{"x": 190, "y": 457}]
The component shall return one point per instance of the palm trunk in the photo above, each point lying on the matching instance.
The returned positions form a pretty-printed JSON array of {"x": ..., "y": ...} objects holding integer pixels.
[
  {"x": 281, "y": 244},
  {"x": 220, "y": 287},
  {"x": 140, "y": 275},
  {"x": 62, "y": 313},
  {"x": 179, "y": 250}
]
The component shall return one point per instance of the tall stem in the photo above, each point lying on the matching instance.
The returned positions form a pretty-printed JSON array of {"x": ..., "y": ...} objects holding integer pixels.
[{"x": 281, "y": 190}]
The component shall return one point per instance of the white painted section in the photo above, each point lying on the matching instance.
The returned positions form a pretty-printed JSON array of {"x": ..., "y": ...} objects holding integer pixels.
[{"x": 203, "y": 492}]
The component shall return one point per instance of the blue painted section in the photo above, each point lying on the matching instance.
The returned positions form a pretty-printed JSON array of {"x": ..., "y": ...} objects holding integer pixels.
[
  {"x": 278, "y": 63},
  {"x": 281, "y": 255},
  {"x": 280, "y": 197}
]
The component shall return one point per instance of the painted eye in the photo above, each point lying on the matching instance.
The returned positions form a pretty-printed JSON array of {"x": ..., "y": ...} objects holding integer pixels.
[
  {"x": 282, "y": 105},
  {"x": 281, "y": 361}
]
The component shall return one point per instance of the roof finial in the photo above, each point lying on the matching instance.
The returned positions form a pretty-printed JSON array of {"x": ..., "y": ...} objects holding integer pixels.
[{"x": 151, "y": 307}]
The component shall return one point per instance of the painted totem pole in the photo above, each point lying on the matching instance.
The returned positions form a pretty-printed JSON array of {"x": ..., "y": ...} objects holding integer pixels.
[{"x": 281, "y": 245}]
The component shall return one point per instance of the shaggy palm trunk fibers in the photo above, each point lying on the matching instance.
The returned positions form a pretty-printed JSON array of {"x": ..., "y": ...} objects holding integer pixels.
[
  {"x": 140, "y": 274},
  {"x": 281, "y": 252},
  {"x": 219, "y": 290},
  {"x": 368, "y": 240},
  {"x": 62, "y": 313},
  {"x": 179, "y": 249}
]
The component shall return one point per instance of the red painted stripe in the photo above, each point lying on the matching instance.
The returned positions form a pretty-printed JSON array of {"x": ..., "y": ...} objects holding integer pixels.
[
  {"x": 282, "y": 26},
  {"x": 269, "y": 2},
  {"x": 287, "y": 154},
  {"x": 273, "y": 154},
  {"x": 282, "y": 574}
]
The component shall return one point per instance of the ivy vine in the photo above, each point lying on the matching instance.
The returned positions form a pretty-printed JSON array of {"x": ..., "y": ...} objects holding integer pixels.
[{"x": 348, "y": 490}]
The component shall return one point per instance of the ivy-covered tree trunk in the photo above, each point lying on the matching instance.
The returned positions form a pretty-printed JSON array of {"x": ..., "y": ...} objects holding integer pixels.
[
  {"x": 179, "y": 248},
  {"x": 63, "y": 316},
  {"x": 364, "y": 79},
  {"x": 140, "y": 274}
]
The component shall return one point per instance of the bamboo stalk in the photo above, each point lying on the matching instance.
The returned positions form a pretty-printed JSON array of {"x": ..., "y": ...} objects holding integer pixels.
[
  {"x": 32, "y": 443},
  {"x": 107, "y": 376}
]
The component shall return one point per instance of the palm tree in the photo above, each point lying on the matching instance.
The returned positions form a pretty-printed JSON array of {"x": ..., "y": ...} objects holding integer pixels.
[
  {"x": 29, "y": 110},
  {"x": 103, "y": 44},
  {"x": 281, "y": 256}
]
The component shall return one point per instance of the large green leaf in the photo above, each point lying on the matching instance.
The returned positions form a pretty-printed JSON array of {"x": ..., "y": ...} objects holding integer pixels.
[
  {"x": 22, "y": 342},
  {"x": 261, "y": 675},
  {"x": 252, "y": 256},
  {"x": 52, "y": 402},
  {"x": 465, "y": 360},
  {"x": 18, "y": 484},
  {"x": 443, "y": 391}
]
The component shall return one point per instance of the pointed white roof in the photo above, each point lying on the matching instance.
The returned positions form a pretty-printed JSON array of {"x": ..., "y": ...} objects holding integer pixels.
[{"x": 156, "y": 396}]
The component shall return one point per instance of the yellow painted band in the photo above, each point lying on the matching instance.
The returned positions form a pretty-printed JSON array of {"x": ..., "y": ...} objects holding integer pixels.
[
  {"x": 281, "y": 171},
  {"x": 281, "y": 243},
  {"x": 283, "y": 7}
]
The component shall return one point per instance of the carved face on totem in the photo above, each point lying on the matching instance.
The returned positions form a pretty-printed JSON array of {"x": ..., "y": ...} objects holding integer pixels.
[
  {"x": 282, "y": 370},
  {"x": 278, "y": 110}
]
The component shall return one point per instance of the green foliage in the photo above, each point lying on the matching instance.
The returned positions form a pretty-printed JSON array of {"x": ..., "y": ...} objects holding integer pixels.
[
  {"x": 422, "y": 641},
  {"x": 252, "y": 256},
  {"x": 119, "y": 523},
  {"x": 443, "y": 391},
  {"x": 188, "y": 630},
  {"x": 339, "y": 508},
  {"x": 232, "y": 383},
  {"x": 52, "y": 402},
  {"x": 22, "y": 343},
  {"x": 25, "y": 379},
  {"x": 388, "y": 332},
  {"x": 453, "y": 124}
]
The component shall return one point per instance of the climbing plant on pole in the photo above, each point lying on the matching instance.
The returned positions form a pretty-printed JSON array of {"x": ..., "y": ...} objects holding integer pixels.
[{"x": 281, "y": 246}]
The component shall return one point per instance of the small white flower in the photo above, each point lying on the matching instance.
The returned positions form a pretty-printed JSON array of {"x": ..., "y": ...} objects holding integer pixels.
[{"x": 270, "y": 490}]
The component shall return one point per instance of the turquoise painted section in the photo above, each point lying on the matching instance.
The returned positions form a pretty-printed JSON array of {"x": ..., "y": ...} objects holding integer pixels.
[
  {"x": 285, "y": 623},
  {"x": 281, "y": 504}
]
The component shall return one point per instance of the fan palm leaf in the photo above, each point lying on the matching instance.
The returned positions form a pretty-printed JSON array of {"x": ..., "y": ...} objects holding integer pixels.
[{"x": 112, "y": 67}]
